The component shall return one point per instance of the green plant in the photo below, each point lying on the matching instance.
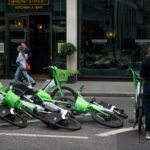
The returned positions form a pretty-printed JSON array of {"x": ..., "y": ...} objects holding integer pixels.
[
  {"x": 67, "y": 49},
  {"x": 73, "y": 72},
  {"x": 72, "y": 78}
]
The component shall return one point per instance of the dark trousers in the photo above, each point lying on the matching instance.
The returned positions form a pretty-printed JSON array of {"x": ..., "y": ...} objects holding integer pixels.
[{"x": 146, "y": 91}]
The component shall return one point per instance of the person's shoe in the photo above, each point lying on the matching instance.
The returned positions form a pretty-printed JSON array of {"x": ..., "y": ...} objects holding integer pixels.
[
  {"x": 30, "y": 86},
  {"x": 147, "y": 136}
]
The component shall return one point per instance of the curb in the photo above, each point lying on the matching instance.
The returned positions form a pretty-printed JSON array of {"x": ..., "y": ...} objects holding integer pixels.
[{"x": 109, "y": 94}]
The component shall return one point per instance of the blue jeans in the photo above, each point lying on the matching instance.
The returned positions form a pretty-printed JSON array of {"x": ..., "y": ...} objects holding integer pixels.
[
  {"x": 27, "y": 76},
  {"x": 146, "y": 91}
]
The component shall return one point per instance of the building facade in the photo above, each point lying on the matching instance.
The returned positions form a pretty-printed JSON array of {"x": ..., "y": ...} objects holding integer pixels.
[{"x": 111, "y": 35}]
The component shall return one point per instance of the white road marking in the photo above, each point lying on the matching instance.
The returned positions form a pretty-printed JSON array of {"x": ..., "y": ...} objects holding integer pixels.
[
  {"x": 29, "y": 121},
  {"x": 114, "y": 132},
  {"x": 44, "y": 136},
  {"x": 82, "y": 115}
]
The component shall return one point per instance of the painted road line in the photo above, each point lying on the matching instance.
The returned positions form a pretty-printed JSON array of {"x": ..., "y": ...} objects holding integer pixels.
[
  {"x": 82, "y": 115},
  {"x": 114, "y": 132},
  {"x": 30, "y": 121},
  {"x": 43, "y": 136}
]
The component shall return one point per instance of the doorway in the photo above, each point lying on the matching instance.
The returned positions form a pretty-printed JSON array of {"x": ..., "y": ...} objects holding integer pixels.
[
  {"x": 36, "y": 31},
  {"x": 39, "y": 41}
]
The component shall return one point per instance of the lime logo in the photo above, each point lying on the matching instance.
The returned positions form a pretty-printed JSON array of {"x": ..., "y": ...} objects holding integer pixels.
[{"x": 62, "y": 75}]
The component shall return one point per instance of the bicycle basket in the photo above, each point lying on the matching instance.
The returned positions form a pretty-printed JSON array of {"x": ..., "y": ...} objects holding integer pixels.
[
  {"x": 11, "y": 99},
  {"x": 81, "y": 105},
  {"x": 62, "y": 75}
]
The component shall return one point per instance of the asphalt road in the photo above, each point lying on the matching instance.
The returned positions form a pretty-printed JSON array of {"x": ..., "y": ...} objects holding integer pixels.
[{"x": 92, "y": 136}]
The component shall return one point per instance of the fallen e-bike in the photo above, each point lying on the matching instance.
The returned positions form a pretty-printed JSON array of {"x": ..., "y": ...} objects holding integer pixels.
[{"x": 49, "y": 114}]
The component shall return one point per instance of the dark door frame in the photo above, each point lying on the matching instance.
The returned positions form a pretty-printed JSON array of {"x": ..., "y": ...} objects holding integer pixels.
[{"x": 8, "y": 16}]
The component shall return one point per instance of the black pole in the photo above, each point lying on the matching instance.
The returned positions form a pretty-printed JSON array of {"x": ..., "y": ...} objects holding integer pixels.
[{"x": 113, "y": 48}]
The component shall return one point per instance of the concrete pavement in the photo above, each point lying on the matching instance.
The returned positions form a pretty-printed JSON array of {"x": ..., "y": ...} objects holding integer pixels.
[{"x": 95, "y": 88}]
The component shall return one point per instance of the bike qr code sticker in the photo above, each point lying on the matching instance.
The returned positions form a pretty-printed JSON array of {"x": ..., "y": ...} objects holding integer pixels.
[{"x": 62, "y": 75}]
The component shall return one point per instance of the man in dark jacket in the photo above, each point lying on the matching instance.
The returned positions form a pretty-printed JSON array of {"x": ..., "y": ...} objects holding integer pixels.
[{"x": 145, "y": 73}]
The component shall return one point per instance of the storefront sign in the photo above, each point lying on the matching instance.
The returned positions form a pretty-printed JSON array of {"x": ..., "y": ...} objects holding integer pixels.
[
  {"x": 99, "y": 41},
  {"x": 28, "y": 4}
]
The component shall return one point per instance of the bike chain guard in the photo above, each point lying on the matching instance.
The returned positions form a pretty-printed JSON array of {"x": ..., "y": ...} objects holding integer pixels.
[
  {"x": 53, "y": 118},
  {"x": 107, "y": 106}
]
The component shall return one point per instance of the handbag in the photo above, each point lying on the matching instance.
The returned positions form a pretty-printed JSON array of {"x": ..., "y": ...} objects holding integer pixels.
[{"x": 28, "y": 66}]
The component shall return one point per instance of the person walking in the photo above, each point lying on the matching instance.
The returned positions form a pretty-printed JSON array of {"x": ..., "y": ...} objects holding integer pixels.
[
  {"x": 145, "y": 74},
  {"x": 27, "y": 52},
  {"x": 21, "y": 62}
]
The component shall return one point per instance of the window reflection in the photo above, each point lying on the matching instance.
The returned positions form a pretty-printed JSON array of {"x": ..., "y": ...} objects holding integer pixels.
[
  {"x": 104, "y": 55},
  {"x": 2, "y": 35},
  {"x": 59, "y": 31}
]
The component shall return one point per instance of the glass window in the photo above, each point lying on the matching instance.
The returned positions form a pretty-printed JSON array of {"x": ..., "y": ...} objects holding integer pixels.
[
  {"x": 59, "y": 31},
  {"x": 2, "y": 35},
  {"x": 113, "y": 36}
]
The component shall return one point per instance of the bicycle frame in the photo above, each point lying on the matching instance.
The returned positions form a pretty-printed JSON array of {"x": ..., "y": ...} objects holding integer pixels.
[
  {"x": 45, "y": 97},
  {"x": 138, "y": 94},
  {"x": 59, "y": 76},
  {"x": 64, "y": 75},
  {"x": 138, "y": 84}
]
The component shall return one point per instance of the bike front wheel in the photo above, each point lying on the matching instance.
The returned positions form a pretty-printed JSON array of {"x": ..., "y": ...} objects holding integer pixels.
[
  {"x": 140, "y": 121},
  {"x": 16, "y": 120},
  {"x": 67, "y": 92},
  {"x": 69, "y": 124},
  {"x": 111, "y": 120}
]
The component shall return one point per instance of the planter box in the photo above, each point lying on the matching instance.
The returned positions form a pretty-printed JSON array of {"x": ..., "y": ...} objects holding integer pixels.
[{"x": 72, "y": 79}]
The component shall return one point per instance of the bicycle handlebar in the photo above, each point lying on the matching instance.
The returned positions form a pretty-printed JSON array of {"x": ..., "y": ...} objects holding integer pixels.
[
  {"x": 46, "y": 68},
  {"x": 140, "y": 78},
  {"x": 81, "y": 88},
  {"x": 135, "y": 74}
]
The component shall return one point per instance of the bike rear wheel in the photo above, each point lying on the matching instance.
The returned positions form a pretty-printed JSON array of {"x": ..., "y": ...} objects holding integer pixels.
[
  {"x": 16, "y": 120},
  {"x": 68, "y": 92},
  {"x": 69, "y": 124},
  {"x": 112, "y": 120},
  {"x": 140, "y": 121}
]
